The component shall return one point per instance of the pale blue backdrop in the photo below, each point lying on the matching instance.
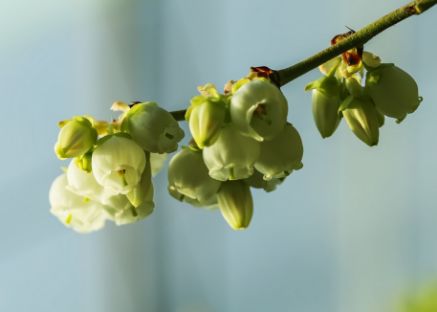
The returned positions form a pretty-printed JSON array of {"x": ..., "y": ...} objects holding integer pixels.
[{"x": 350, "y": 232}]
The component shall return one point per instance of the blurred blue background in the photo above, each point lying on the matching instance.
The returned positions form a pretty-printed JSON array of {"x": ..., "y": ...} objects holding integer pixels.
[{"x": 350, "y": 232}]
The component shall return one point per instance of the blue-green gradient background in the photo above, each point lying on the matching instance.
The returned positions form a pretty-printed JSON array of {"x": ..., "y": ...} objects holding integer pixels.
[{"x": 350, "y": 232}]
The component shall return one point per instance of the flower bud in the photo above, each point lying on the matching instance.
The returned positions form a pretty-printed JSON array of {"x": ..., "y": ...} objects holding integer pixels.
[
  {"x": 232, "y": 155},
  {"x": 259, "y": 110},
  {"x": 76, "y": 137},
  {"x": 152, "y": 127},
  {"x": 353, "y": 85},
  {"x": 394, "y": 92},
  {"x": 84, "y": 162},
  {"x": 325, "y": 102},
  {"x": 142, "y": 193},
  {"x": 236, "y": 204},
  {"x": 118, "y": 163},
  {"x": 74, "y": 211},
  {"x": 188, "y": 175},
  {"x": 362, "y": 118},
  {"x": 206, "y": 116},
  {"x": 280, "y": 156}
]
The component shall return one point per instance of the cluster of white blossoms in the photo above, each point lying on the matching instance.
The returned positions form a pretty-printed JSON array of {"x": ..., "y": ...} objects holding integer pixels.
[
  {"x": 241, "y": 139},
  {"x": 110, "y": 173},
  {"x": 363, "y": 91}
]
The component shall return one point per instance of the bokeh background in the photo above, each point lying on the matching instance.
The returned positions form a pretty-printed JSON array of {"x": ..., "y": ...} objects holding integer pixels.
[{"x": 351, "y": 232}]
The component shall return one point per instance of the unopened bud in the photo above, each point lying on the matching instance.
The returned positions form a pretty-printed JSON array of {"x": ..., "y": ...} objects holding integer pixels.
[
  {"x": 362, "y": 118},
  {"x": 325, "y": 102},
  {"x": 236, "y": 204},
  {"x": 394, "y": 92},
  {"x": 142, "y": 193},
  {"x": 152, "y": 127},
  {"x": 76, "y": 137},
  {"x": 206, "y": 116}
]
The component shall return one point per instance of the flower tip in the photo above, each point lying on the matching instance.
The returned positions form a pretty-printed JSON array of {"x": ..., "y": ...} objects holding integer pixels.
[
  {"x": 239, "y": 228},
  {"x": 298, "y": 166},
  {"x": 372, "y": 143}
]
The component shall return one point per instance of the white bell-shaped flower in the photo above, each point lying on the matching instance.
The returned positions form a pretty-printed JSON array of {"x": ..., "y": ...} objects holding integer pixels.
[
  {"x": 232, "y": 155},
  {"x": 152, "y": 127},
  {"x": 74, "y": 211},
  {"x": 188, "y": 175},
  {"x": 136, "y": 205},
  {"x": 210, "y": 203},
  {"x": 84, "y": 183},
  {"x": 259, "y": 110},
  {"x": 280, "y": 156},
  {"x": 121, "y": 211},
  {"x": 118, "y": 163}
]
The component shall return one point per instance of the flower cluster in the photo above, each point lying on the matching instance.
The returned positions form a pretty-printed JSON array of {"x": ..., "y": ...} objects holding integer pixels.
[
  {"x": 241, "y": 139},
  {"x": 363, "y": 91},
  {"x": 109, "y": 175}
]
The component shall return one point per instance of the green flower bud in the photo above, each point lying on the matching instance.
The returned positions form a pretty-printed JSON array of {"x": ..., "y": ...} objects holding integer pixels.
[
  {"x": 118, "y": 163},
  {"x": 236, "y": 204},
  {"x": 280, "y": 156},
  {"x": 232, "y": 155},
  {"x": 259, "y": 110},
  {"x": 325, "y": 102},
  {"x": 76, "y": 137},
  {"x": 362, "y": 118},
  {"x": 256, "y": 180},
  {"x": 74, "y": 211},
  {"x": 142, "y": 193},
  {"x": 152, "y": 127},
  {"x": 188, "y": 176},
  {"x": 84, "y": 161},
  {"x": 394, "y": 92},
  {"x": 206, "y": 116},
  {"x": 353, "y": 86}
]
